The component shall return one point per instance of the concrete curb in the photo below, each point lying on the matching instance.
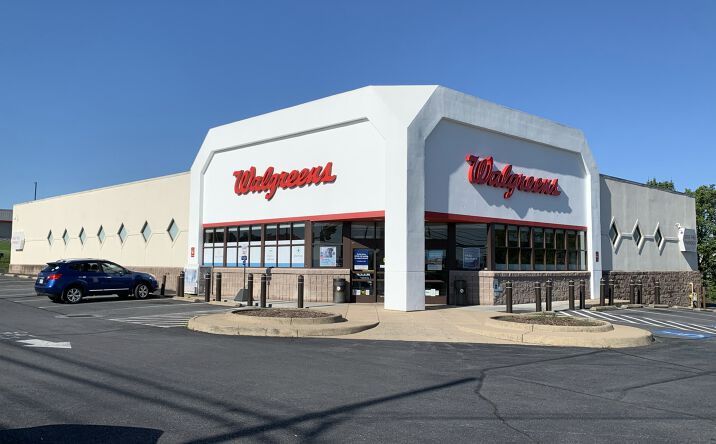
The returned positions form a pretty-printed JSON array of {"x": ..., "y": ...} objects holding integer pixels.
[
  {"x": 604, "y": 336},
  {"x": 231, "y": 324},
  {"x": 23, "y": 276},
  {"x": 497, "y": 323}
]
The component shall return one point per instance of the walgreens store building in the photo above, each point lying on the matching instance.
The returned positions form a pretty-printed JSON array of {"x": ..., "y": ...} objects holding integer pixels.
[{"x": 404, "y": 190}]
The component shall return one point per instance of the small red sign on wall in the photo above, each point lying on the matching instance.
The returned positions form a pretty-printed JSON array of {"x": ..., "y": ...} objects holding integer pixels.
[{"x": 193, "y": 252}]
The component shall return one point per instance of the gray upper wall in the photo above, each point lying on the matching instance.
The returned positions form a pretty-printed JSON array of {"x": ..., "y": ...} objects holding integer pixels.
[{"x": 629, "y": 204}]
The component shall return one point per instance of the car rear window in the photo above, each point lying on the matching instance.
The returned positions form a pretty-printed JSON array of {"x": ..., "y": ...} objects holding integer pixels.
[{"x": 51, "y": 267}]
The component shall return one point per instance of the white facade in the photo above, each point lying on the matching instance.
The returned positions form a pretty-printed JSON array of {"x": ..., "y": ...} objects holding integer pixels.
[
  {"x": 87, "y": 224},
  {"x": 397, "y": 151},
  {"x": 657, "y": 214}
]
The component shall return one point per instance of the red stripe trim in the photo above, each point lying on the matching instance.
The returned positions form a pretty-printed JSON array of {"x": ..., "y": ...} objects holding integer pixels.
[
  {"x": 315, "y": 218},
  {"x": 6, "y": 221},
  {"x": 432, "y": 216}
]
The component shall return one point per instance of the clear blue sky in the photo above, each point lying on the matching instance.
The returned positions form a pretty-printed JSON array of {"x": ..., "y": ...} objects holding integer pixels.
[{"x": 98, "y": 93}]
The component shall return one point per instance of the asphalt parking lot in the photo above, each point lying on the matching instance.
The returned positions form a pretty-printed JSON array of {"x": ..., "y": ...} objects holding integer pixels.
[
  {"x": 152, "y": 312},
  {"x": 664, "y": 323},
  {"x": 83, "y": 373}
]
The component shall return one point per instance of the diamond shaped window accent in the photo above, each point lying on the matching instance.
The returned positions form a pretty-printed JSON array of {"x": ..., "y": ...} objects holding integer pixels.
[
  {"x": 101, "y": 234},
  {"x": 83, "y": 235},
  {"x": 146, "y": 231},
  {"x": 637, "y": 235},
  {"x": 658, "y": 237},
  {"x": 613, "y": 233},
  {"x": 49, "y": 238},
  {"x": 66, "y": 237},
  {"x": 122, "y": 233},
  {"x": 173, "y": 230}
]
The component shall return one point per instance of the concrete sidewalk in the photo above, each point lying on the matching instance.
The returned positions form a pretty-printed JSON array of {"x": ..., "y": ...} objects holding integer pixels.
[{"x": 436, "y": 324}]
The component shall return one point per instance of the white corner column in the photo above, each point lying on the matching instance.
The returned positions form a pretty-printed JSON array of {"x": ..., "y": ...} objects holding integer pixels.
[{"x": 404, "y": 226}]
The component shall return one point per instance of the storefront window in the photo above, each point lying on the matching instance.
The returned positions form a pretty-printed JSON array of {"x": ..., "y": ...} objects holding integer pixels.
[
  {"x": 327, "y": 244},
  {"x": 471, "y": 246},
  {"x": 538, "y": 242},
  {"x": 436, "y": 231},
  {"x": 218, "y": 247},
  {"x": 232, "y": 243},
  {"x": 500, "y": 247}
]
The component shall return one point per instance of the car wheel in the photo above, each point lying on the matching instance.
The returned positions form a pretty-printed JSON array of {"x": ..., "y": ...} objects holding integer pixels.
[
  {"x": 141, "y": 291},
  {"x": 73, "y": 295}
]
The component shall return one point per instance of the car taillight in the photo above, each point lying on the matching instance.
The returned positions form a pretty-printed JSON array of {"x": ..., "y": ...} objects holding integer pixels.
[{"x": 54, "y": 277}]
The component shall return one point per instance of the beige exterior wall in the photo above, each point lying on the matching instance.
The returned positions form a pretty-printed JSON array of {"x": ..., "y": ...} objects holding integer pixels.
[{"x": 155, "y": 201}]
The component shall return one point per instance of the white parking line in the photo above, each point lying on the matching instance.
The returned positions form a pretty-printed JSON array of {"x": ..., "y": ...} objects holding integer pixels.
[
  {"x": 610, "y": 317},
  {"x": 667, "y": 324},
  {"x": 643, "y": 320}
]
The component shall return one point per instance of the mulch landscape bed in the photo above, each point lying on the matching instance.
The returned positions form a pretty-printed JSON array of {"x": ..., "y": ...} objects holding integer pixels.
[
  {"x": 283, "y": 313},
  {"x": 550, "y": 320}
]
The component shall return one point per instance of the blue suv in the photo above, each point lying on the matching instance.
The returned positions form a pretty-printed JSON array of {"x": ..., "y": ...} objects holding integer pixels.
[{"x": 73, "y": 279}]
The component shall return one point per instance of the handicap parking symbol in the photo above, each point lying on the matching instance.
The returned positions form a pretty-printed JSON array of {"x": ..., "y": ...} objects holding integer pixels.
[{"x": 683, "y": 334}]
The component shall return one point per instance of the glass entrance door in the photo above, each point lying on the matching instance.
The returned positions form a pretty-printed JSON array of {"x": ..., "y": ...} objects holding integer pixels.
[
  {"x": 363, "y": 274},
  {"x": 367, "y": 256}
]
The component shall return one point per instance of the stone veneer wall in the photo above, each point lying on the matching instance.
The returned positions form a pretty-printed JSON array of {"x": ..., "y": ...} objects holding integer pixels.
[
  {"x": 318, "y": 283},
  {"x": 492, "y": 285},
  {"x": 675, "y": 285}
]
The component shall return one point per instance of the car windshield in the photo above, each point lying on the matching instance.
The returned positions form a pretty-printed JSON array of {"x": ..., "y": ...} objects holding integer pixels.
[{"x": 51, "y": 267}]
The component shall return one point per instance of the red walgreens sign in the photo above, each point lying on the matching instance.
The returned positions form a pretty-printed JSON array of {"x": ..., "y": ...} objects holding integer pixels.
[
  {"x": 481, "y": 172},
  {"x": 248, "y": 182}
]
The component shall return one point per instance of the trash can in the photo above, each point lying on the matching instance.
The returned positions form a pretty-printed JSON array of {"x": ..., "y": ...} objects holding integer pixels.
[
  {"x": 460, "y": 292},
  {"x": 339, "y": 291}
]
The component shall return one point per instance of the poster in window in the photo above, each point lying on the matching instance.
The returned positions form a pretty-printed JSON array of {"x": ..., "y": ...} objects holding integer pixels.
[
  {"x": 270, "y": 256},
  {"x": 328, "y": 256},
  {"x": 434, "y": 260},
  {"x": 471, "y": 258},
  {"x": 360, "y": 259},
  {"x": 297, "y": 256}
]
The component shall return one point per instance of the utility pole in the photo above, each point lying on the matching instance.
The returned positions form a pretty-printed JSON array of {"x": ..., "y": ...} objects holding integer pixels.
[{"x": 35, "y": 191}]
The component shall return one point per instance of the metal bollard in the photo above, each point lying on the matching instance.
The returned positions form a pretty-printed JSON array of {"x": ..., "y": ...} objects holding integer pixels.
[
  {"x": 548, "y": 295},
  {"x": 217, "y": 289},
  {"x": 300, "y": 291},
  {"x": 262, "y": 296},
  {"x": 508, "y": 296},
  {"x": 164, "y": 285},
  {"x": 180, "y": 284},
  {"x": 250, "y": 290},
  {"x": 602, "y": 291},
  {"x": 639, "y": 288},
  {"x": 610, "y": 289},
  {"x": 657, "y": 292},
  {"x": 538, "y": 297},
  {"x": 632, "y": 290},
  {"x": 570, "y": 295},
  {"x": 207, "y": 287},
  {"x": 704, "y": 291},
  {"x": 582, "y": 294}
]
